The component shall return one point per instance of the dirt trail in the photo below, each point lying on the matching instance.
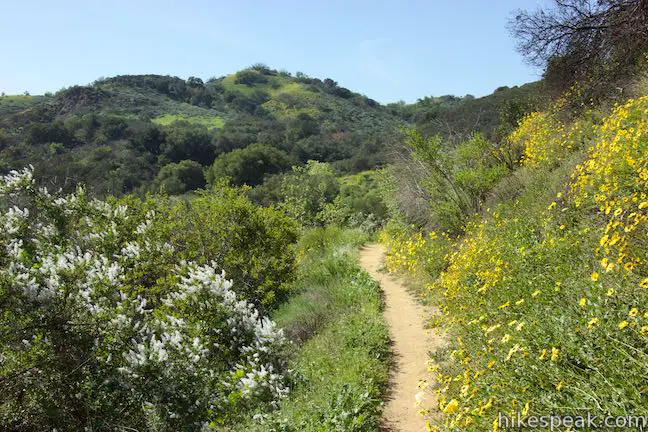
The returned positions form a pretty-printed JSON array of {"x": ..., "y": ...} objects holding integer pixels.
[{"x": 411, "y": 344}]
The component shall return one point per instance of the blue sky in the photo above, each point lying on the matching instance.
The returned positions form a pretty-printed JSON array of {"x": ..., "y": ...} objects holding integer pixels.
[{"x": 388, "y": 50}]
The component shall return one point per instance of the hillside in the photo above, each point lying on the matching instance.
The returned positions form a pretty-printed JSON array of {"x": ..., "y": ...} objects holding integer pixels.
[
  {"x": 117, "y": 134},
  {"x": 542, "y": 285},
  {"x": 457, "y": 117},
  {"x": 138, "y": 133}
]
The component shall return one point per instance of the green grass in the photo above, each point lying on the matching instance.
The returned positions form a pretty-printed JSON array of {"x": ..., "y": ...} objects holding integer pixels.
[
  {"x": 210, "y": 122},
  {"x": 341, "y": 341},
  {"x": 10, "y": 103}
]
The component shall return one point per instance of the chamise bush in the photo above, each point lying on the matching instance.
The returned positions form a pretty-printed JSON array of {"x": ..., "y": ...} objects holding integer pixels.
[
  {"x": 545, "y": 294},
  {"x": 105, "y": 327}
]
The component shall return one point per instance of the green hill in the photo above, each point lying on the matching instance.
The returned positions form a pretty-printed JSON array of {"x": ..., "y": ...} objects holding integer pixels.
[
  {"x": 117, "y": 134},
  {"x": 458, "y": 117}
]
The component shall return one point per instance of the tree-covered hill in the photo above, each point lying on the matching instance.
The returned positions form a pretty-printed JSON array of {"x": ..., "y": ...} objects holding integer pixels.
[
  {"x": 457, "y": 117},
  {"x": 137, "y": 133}
]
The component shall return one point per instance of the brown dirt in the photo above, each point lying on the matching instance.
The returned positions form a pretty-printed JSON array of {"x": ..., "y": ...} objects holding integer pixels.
[{"x": 411, "y": 343}]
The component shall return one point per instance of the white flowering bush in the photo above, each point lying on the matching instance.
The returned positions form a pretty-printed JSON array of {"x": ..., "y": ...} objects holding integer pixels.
[{"x": 105, "y": 327}]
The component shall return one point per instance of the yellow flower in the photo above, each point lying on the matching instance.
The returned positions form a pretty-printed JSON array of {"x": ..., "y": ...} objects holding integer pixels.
[
  {"x": 543, "y": 355},
  {"x": 554, "y": 353},
  {"x": 525, "y": 411},
  {"x": 644, "y": 331},
  {"x": 452, "y": 406},
  {"x": 644, "y": 283},
  {"x": 633, "y": 312},
  {"x": 560, "y": 386},
  {"x": 537, "y": 293},
  {"x": 643, "y": 205},
  {"x": 592, "y": 323},
  {"x": 583, "y": 302},
  {"x": 506, "y": 338},
  {"x": 623, "y": 324},
  {"x": 595, "y": 276},
  {"x": 610, "y": 292}
]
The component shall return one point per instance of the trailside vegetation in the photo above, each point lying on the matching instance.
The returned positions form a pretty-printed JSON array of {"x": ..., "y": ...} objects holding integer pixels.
[{"x": 544, "y": 292}]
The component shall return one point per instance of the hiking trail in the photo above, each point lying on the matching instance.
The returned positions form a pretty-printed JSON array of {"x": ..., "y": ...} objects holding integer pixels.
[{"x": 411, "y": 343}]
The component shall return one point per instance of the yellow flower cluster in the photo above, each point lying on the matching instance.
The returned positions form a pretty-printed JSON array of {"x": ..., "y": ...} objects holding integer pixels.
[
  {"x": 546, "y": 140},
  {"x": 615, "y": 178},
  {"x": 411, "y": 250},
  {"x": 518, "y": 291},
  {"x": 476, "y": 257},
  {"x": 404, "y": 252}
]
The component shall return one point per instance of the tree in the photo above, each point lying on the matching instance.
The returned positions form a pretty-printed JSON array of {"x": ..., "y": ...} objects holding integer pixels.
[
  {"x": 179, "y": 178},
  {"x": 186, "y": 141},
  {"x": 42, "y": 133},
  {"x": 307, "y": 190},
  {"x": 249, "y": 165},
  {"x": 456, "y": 179},
  {"x": 194, "y": 82},
  {"x": 249, "y": 77},
  {"x": 579, "y": 40}
]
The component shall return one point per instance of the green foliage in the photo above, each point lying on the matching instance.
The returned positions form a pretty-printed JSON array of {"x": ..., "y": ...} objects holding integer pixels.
[
  {"x": 41, "y": 133},
  {"x": 359, "y": 203},
  {"x": 186, "y": 141},
  {"x": 306, "y": 191},
  {"x": 456, "y": 118},
  {"x": 456, "y": 179},
  {"x": 253, "y": 245},
  {"x": 249, "y": 165},
  {"x": 108, "y": 322},
  {"x": 249, "y": 77},
  {"x": 176, "y": 179},
  {"x": 214, "y": 122},
  {"x": 150, "y": 121},
  {"x": 343, "y": 353}
]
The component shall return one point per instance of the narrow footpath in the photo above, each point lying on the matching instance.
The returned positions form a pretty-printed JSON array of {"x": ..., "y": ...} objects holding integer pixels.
[{"x": 411, "y": 343}]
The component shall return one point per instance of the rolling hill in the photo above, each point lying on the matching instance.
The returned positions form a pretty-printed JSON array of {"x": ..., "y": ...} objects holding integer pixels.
[
  {"x": 117, "y": 134},
  {"x": 137, "y": 133}
]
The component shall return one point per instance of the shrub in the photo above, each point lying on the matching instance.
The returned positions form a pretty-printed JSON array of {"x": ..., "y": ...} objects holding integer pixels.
[
  {"x": 253, "y": 245},
  {"x": 176, "y": 179},
  {"x": 249, "y": 165},
  {"x": 105, "y": 327},
  {"x": 306, "y": 191}
]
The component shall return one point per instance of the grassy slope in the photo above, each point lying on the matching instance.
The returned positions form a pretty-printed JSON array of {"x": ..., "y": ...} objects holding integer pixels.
[
  {"x": 549, "y": 314},
  {"x": 210, "y": 122},
  {"x": 341, "y": 342},
  {"x": 13, "y": 103}
]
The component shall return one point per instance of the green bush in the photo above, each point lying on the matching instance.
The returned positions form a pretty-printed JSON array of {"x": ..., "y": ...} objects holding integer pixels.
[
  {"x": 176, "y": 179},
  {"x": 107, "y": 325},
  {"x": 249, "y": 165},
  {"x": 253, "y": 245}
]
